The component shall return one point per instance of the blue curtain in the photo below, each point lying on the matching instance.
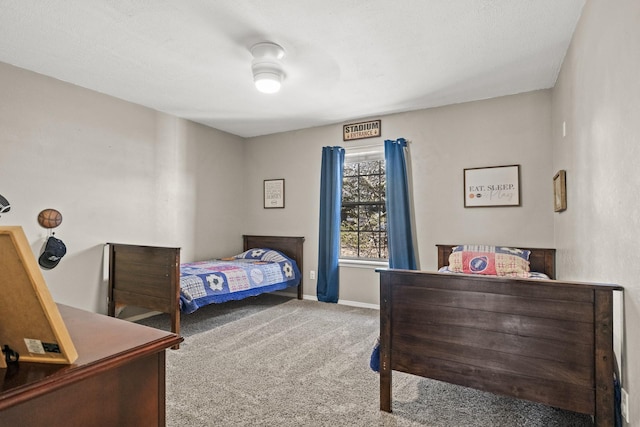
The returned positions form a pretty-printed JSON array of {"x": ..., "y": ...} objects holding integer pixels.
[
  {"x": 399, "y": 233},
  {"x": 330, "y": 205}
]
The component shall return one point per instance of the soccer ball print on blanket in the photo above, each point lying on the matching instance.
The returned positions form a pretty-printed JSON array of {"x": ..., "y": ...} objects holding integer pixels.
[{"x": 249, "y": 273}]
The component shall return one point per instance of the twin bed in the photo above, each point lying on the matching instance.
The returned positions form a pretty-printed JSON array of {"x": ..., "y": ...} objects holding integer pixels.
[
  {"x": 152, "y": 277},
  {"x": 546, "y": 341}
]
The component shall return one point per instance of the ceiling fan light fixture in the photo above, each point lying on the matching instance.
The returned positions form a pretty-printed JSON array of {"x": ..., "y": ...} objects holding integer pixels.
[
  {"x": 267, "y": 82},
  {"x": 266, "y": 66}
]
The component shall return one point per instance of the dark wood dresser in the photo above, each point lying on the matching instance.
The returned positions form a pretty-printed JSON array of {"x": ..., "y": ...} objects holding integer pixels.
[{"x": 117, "y": 380}]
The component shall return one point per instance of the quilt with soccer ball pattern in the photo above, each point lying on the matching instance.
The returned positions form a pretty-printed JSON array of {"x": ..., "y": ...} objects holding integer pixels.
[{"x": 250, "y": 273}]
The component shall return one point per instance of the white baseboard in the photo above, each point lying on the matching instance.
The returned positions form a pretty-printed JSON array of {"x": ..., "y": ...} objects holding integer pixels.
[
  {"x": 359, "y": 304},
  {"x": 346, "y": 302}
]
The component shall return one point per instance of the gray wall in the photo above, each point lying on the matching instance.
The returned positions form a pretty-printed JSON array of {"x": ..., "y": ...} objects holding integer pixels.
[
  {"x": 598, "y": 97},
  {"x": 117, "y": 172},
  {"x": 443, "y": 141},
  {"x": 122, "y": 172}
]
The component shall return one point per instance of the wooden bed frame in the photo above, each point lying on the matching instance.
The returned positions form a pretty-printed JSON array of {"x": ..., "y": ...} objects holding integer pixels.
[
  {"x": 149, "y": 276},
  {"x": 546, "y": 341}
]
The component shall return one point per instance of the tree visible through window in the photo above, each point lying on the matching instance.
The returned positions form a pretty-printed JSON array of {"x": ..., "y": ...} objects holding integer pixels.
[{"x": 363, "y": 226}]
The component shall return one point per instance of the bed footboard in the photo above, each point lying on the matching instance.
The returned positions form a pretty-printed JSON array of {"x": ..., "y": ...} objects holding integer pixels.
[
  {"x": 147, "y": 277},
  {"x": 549, "y": 342}
]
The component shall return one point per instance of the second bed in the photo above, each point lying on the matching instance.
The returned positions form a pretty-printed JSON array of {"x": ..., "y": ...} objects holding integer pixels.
[{"x": 152, "y": 277}]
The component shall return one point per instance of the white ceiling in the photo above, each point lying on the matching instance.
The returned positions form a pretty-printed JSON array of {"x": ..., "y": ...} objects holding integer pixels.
[{"x": 345, "y": 59}]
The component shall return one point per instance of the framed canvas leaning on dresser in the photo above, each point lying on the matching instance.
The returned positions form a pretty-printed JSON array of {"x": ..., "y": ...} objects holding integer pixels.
[{"x": 31, "y": 324}]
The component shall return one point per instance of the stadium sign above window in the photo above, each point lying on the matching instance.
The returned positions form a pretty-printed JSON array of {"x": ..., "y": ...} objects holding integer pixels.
[{"x": 370, "y": 129}]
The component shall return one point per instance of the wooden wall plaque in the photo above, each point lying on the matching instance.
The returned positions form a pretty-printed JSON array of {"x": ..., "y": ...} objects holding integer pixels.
[{"x": 30, "y": 322}]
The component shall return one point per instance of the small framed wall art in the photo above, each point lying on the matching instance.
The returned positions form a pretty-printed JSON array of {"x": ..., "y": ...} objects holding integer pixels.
[
  {"x": 560, "y": 191},
  {"x": 273, "y": 193},
  {"x": 492, "y": 186}
]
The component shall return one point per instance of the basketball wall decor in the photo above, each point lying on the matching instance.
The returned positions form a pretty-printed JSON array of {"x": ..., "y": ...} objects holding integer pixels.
[{"x": 49, "y": 218}]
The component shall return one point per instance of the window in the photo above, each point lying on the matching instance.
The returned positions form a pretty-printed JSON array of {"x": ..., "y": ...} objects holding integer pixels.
[{"x": 363, "y": 225}]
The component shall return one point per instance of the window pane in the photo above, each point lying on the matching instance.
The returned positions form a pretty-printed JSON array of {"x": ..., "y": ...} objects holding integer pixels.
[
  {"x": 350, "y": 169},
  {"x": 349, "y": 218},
  {"x": 370, "y": 168},
  {"x": 383, "y": 218},
  {"x": 369, "y": 245},
  {"x": 369, "y": 188},
  {"x": 370, "y": 217},
  {"x": 384, "y": 248},
  {"x": 349, "y": 244},
  {"x": 350, "y": 189}
]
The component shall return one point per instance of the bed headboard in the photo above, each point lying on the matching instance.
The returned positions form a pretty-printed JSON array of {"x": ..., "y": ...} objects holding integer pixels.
[
  {"x": 290, "y": 246},
  {"x": 542, "y": 260}
]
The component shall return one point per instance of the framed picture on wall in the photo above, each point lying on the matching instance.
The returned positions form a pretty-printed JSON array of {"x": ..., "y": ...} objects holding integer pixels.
[
  {"x": 273, "y": 193},
  {"x": 560, "y": 191},
  {"x": 492, "y": 186}
]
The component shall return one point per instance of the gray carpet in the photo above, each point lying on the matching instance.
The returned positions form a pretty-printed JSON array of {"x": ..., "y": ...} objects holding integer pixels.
[{"x": 278, "y": 362}]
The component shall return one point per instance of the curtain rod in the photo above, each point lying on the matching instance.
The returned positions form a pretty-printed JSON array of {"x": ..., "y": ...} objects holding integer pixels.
[
  {"x": 366, "y": 146},
  {"x": 381, "y": 144}
]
